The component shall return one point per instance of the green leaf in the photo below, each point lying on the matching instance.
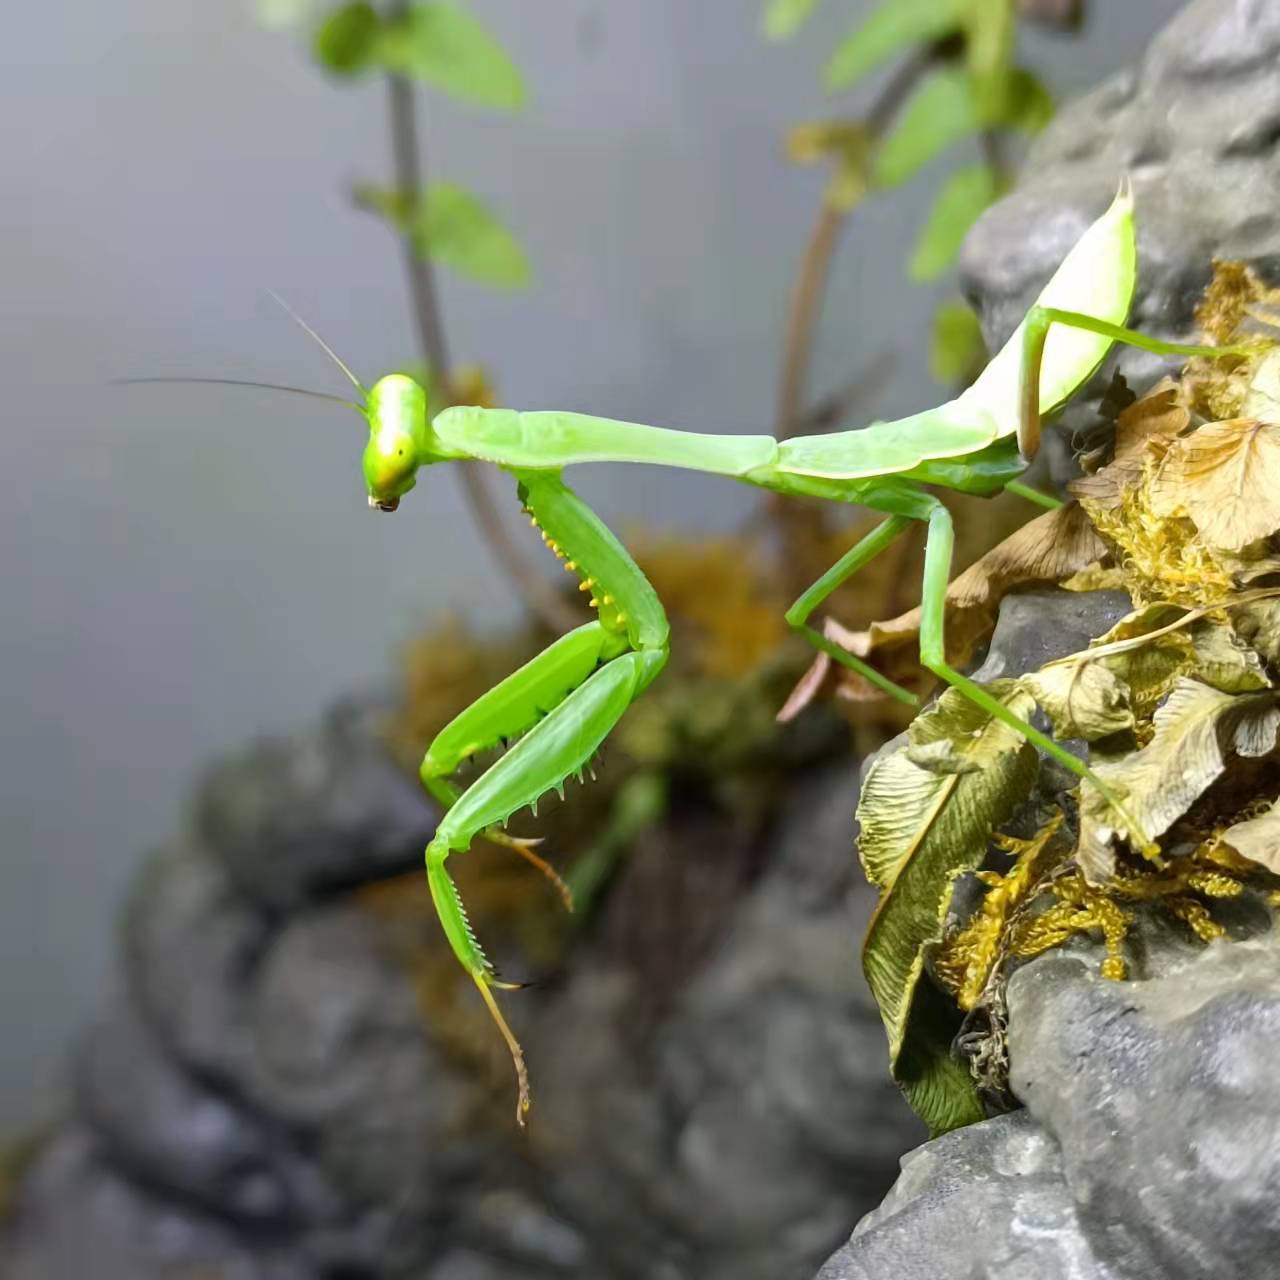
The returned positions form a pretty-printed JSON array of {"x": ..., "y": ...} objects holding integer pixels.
[
  {"x": 444, "y": 46},
  {"x": 947, "y": 108},
  {"x": 783, "y": 18},
  {"x": 279, "y": 15},
  {"x": 920, "y": 827},
  {"x": 1196, "y": 730},
  {"x": 1025, "y": 104},
  {"x": 941, "y": 112},
  {"x": 956, "y": 348},
  {"x": 457, "y": 230},
  {"x": 888, "y": 30},
  {"x": 964, "y": 195},
  {"x": 989, "y": 30},
  {"x": 453, "y": 227},
  {"x": 345, "y": 42}
]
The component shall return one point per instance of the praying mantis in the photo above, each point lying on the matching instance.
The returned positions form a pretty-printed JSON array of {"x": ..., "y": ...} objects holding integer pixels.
[{"x": 561, "y": 705}]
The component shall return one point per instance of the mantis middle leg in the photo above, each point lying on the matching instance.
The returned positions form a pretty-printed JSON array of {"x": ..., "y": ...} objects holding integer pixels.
[
  {"x": 858, "y": 555},
  {"x": 572, "y": 695},
  {"x": 933, "y": 598}
]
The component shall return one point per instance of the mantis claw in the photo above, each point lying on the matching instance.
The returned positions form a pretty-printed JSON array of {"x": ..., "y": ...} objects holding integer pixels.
[
  {"x": 524, "y": 846},
  {"x": 485, "y": 982}
]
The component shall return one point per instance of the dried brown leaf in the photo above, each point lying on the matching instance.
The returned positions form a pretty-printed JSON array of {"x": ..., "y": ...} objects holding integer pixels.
[
  {"x": 1226, "y": 479},
  {"x": 1197, "y": 730},
  {"x": 1258, "y": 839},
  {"x": 1052, "y": 546},
  {"x": 1144, "y": 432}
]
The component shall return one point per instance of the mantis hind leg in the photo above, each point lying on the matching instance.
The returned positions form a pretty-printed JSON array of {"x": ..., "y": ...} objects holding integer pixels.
[
  {"x": 933, "y": 596},
  {"x": 858, "y": 555},
  {"x": 1035, "y": 333},
  {"x": 561, "y": 743}
]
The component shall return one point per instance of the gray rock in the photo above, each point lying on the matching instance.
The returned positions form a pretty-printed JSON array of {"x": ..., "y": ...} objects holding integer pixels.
[
  {"x": 340, "y": 1055},
  {"x": 734, "y": 1138},
  {"x": 169, "y": 1131},
  {"x": 1150, "y": 1143},
  {"x": 296, "y": 818},
  {"x": 989, "y": 1202},
  {"x": 76, "y": 1217},
  {"x": 1196, "y": 125},
  {"x": 1046, "y": 623},
  {"x": 1160, "y": 1096},
  {"x": 191, "y": 944}
]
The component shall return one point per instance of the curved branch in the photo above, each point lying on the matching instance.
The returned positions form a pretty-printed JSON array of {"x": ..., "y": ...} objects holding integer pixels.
[{"x": 538, "y": 596}]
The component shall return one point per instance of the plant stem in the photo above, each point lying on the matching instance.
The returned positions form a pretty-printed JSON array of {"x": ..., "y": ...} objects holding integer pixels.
[
  {"x": 539, "y": 598},
  {"x": 803, "y": 526}
]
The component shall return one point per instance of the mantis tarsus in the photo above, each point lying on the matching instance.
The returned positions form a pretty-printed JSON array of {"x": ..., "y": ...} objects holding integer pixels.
[{"x": 564, "y": 702}]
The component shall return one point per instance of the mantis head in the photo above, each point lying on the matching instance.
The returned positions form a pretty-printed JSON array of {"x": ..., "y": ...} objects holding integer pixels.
[{"x": 397, "y": 413}]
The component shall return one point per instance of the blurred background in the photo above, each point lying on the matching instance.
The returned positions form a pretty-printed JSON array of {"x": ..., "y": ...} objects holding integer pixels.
[{"x": 185, "y": 568}]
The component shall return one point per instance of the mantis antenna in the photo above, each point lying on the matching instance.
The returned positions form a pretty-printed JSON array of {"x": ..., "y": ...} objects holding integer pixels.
[
  {"x": 324, "y": 346},
  {"x": 240, "y": 382}
]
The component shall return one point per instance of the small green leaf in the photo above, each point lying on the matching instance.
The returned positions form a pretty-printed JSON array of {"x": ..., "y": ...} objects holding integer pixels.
[
  {"x": 888, "y": 30},
  {"x": 279, "y": 15},
  {"x": 345, "y": 42},
  {"x": 444, "y": 46},
  {"x": 1025, "y": 104},
  {"x": 783, "y": 18},
  {"x": 964, "y": 195},
  {"x": 956, "y": 350},
  {"x": 395, "y": 206},
  {"x": 989, "y": 29},
  {"x": 456, "y": 229},
  {"x": 940, "y": 113},
  {"x": 920, "y": 826}
]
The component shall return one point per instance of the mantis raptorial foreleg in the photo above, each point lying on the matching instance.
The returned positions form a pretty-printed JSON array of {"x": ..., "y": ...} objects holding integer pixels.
[
  {"x": 572, "y": 695},
  {"x": 858, "y": 555}
]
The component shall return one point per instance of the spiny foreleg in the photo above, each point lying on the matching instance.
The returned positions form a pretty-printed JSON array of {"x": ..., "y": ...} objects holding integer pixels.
[
  {"x": 509, "y": 709},
  {"x": 558, "y": 745}
]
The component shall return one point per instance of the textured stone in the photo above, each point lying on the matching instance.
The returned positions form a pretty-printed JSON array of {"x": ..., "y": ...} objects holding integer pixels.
[
  {"x": 733, "y": 1139},
  {"x": 76, "y": 1218},
  {"x": 331, "y": 806},
  {"x": 988, "y": 1202},
  {"x": 190, "y": 945},
  {"x": 170, "y": 1131},
  {"x": 1196, "y": 126},
  {"x": 1161, "y": 1097}
]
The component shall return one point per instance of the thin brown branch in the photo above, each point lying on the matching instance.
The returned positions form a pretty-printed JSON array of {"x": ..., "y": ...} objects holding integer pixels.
[
  {"x": 536, "y": 593},
  {"x": 804, "y": 525}
]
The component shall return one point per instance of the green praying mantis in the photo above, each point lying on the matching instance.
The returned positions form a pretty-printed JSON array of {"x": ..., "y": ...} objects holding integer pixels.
[{"x": 560, "y": 706}]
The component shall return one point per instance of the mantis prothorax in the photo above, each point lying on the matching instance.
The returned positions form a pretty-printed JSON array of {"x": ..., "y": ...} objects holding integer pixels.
[{"x": 566, "y": 700}]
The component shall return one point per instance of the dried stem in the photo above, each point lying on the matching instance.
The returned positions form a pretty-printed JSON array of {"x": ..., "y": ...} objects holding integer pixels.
[
  {"x": 803, "y": 525},
  {"x": 538, "y": 596}
]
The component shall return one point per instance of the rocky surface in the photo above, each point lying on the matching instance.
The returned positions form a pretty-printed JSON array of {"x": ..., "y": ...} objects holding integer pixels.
[
  {"x": 1150, "y": 1143},
  {"x": 281, "y": 1095},
  {"x": 1196, "y": 127}
]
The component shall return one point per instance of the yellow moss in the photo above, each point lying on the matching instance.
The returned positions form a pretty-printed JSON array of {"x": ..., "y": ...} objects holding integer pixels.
[{"x": 1160, "y": 558}]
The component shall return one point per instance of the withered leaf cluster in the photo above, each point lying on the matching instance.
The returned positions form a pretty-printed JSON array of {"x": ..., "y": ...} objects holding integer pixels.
[{"x": 1176, "y": 708}]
